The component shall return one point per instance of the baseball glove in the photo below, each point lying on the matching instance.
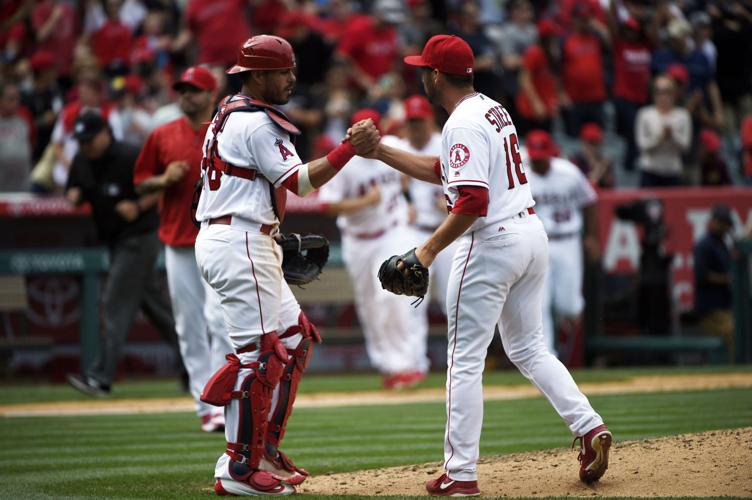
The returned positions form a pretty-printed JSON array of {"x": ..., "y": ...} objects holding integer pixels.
[
  {"x": 411, "y": 280},
  {"x": 304, "y": 257}
]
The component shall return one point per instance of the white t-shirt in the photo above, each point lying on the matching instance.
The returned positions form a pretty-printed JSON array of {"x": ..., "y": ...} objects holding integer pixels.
[
  {"x": 560, "y": 196},
  {"x": 355, "y": 180},
  {"x": 428, "y": 199},
  {"x": 249, "y": 140},
  {"x": 480, "y": 147}
]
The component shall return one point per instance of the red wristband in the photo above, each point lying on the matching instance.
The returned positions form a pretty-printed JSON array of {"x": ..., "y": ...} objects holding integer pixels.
[{"x": 340, "y": 155}]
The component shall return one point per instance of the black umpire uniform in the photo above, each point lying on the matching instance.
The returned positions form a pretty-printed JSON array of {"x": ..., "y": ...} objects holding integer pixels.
[{"x": 102, "y": 174}]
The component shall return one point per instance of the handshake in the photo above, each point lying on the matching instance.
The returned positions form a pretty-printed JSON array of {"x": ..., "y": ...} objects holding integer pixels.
[{"x": 365, "y": 137}]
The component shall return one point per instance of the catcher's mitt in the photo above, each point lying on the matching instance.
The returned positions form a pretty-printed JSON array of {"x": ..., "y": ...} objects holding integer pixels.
[
  {"x": 411, "y": 280},
  {"x": 304, "y": 256}
]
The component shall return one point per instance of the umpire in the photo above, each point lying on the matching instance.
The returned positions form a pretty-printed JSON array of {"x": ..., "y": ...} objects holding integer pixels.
[{"x": 102, "y": 174}]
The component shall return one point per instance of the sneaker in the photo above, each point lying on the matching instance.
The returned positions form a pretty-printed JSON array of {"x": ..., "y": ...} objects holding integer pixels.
[
  {"x": 593, "y": 455},
  {"x": 259, "y": 483},
  {"x": 404, "y": 380},
  {"x": 89, "y": 386},
  {"x": 213, "y": 422},
  {"x": 443, "y": 486}
]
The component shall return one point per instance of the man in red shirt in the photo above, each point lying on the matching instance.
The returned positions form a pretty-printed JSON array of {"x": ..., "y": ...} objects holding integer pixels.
[
  {"x": 583, "y": 73},
  {"x": 217, "y": 27},
  {"x": 112, "y": 42},
  {"x": 371, "y": 44},
  {"x": 538, "y": 100},
  {"x": 170, "y": 162},
  {"x": 631, "y": 55}
]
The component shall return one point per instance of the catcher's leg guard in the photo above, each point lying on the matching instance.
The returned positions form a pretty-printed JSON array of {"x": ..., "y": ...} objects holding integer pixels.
[
  {"x": 288, "y": 389},
  {"x": 254, "y": 398}
]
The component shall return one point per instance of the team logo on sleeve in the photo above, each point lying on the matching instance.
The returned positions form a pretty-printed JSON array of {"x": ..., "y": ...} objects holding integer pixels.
[
  {"x": 458, "y": 155},
  {"x": 286, "y": 153}
]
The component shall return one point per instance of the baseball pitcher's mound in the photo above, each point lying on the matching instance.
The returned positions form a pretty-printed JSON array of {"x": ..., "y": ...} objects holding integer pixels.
[{"x": 716, "y": 463}]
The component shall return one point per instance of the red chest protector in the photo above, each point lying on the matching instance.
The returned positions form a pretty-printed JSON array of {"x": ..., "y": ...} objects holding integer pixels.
[{"x": 214, "y": 167}]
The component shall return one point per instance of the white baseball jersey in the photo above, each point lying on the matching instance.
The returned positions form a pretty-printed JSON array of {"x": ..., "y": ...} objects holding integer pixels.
[
  {"x": 480, "y": 147},
  {"x": 497, "y": 279},
  {"x": 356, "y": 179},
  {"x": 249, "y": 140},
  {"x": 428, "y": 212},
  {"x": 560, "y": 195}
]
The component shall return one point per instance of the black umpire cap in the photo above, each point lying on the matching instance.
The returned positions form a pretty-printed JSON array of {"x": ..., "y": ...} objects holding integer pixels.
[{"x": 88, "y": 125}]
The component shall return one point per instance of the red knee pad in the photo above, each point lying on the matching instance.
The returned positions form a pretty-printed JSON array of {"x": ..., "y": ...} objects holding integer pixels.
[{"x": 219, "y": 389}]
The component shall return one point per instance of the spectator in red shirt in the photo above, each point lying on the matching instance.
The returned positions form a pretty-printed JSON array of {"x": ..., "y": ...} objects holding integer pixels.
[
  {"x": 111, "y": 44},
  {"x": 217, "y": 27},
  {"x": 54, "y": 24},
  {"x": 371, "y": 45},
  {"x": 583, "y": 72},
  {"x": 540, "y": 88},
  {"x": 631, "y": 55},
  {"x": 170, "y": 162}
]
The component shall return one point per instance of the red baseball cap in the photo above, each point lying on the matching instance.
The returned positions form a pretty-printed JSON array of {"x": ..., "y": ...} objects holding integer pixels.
[
  {"x": 547, "y": 27},
  {"x": 197, "y": 76},
  {"x": 42, "y": 60},
  {"x": 710, "y": 140},
  {"x": 679, "y": 73},
  {"x": 540, "y": 145},
  {"x": 446, "y": 53},
  {"x": 365, "y": 114},
  {"x": 591, "y": 132},
  {"x": 418, "y": 107}
]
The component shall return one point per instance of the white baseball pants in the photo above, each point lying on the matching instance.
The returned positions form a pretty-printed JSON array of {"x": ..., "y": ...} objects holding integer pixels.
[
  {"x": 395, "y": 341},
  {"x": 244, "y": 267},
  {"x": 563, "y": 295},
  {"x": 202, "y": 336},
  {"x": 498, "y": 278}
]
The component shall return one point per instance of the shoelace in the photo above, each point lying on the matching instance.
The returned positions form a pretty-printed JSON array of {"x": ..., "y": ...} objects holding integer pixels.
[{"x": 581, "y": 455}]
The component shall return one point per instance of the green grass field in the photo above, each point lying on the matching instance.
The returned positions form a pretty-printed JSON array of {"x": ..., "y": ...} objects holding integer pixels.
[{"x": 164, "y": 455}]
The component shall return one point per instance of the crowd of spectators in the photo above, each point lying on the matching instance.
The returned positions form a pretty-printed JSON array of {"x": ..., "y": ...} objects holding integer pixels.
[{"x": 669, "y": 80}]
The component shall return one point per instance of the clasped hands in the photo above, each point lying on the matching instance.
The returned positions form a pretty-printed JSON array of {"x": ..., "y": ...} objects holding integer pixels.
[{"x": 365, "y": 137}]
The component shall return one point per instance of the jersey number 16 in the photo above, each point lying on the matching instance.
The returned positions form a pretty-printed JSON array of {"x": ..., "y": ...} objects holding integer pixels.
[{"x": 511, "y": 146}]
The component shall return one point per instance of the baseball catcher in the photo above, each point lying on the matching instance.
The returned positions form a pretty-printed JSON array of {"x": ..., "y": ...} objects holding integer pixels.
[
  {"x": 404, "y": 275},
  {"x": 304, "y": 257}
]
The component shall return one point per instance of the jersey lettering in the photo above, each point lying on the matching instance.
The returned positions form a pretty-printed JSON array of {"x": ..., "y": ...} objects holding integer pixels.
[
  {"x": 512, "y": 149},
  {"x": 286, "y": 153},
  {"x": 498, "y": 117}
]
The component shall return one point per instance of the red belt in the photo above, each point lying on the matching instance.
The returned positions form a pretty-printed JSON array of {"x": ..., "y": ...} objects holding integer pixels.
[
  {"x": 233, "y": 171},
  {"x": 227, "y": 220}
]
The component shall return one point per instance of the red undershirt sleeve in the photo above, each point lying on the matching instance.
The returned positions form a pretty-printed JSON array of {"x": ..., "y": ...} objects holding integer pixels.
[
  {"x": 291, "y": 183},
  {"x": 473, "y": 200}
]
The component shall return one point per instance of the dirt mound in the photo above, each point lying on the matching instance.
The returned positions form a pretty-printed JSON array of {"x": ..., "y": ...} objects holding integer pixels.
[{"x": 716, "y": 463}]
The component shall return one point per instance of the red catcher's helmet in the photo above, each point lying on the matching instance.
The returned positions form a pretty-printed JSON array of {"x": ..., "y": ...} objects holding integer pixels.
[{"x": 265, "y": 53}]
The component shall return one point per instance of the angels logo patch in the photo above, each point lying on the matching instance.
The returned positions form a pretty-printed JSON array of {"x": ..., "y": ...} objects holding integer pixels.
[
  {"x": 286, "y": 153},
  {"x": 459, "y": 154}
]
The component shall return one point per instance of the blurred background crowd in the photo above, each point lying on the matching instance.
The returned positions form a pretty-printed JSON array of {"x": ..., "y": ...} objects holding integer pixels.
[{"x": 636, "y": 92}]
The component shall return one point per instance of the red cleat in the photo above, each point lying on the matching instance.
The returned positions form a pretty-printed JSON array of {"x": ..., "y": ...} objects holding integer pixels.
[
  {"x": 258, "y": 483},
  {"x": 593, "y": 455},
  {"x": 443, "y": 486}
]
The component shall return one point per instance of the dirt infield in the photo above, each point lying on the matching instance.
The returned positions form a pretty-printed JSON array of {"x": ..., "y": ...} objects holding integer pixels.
[
  {"x": 319, "y": 400},
  {"x": 717, "y": 463}
]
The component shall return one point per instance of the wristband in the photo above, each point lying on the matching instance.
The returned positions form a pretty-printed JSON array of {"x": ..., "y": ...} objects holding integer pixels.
[{"x": 340, "y": 155}]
